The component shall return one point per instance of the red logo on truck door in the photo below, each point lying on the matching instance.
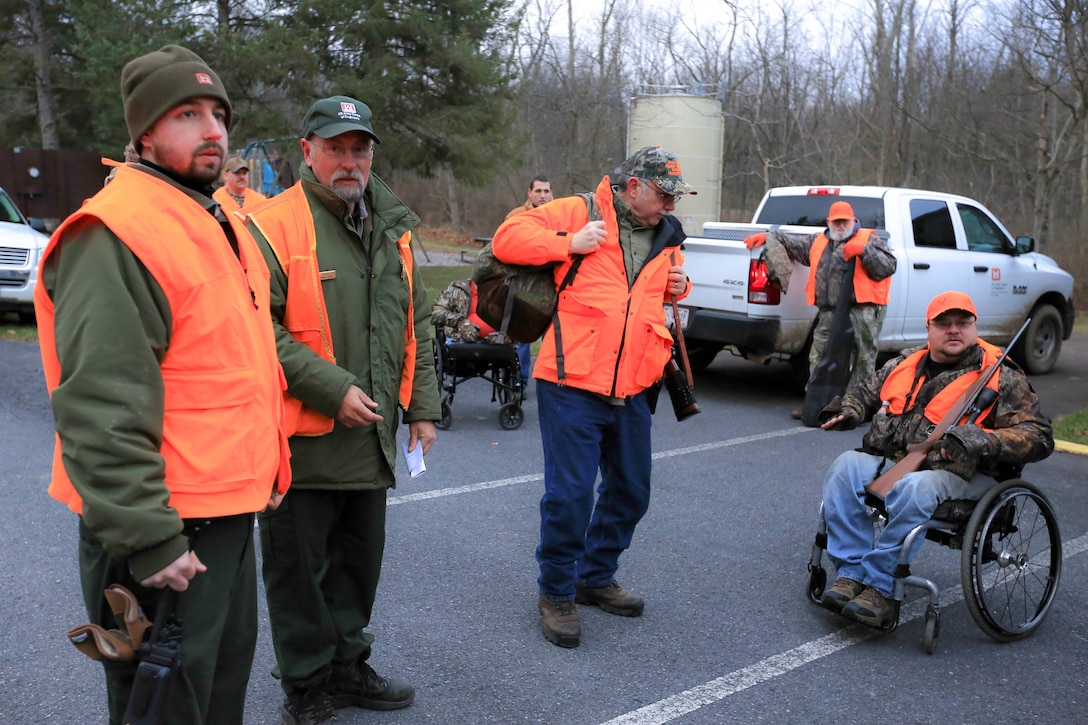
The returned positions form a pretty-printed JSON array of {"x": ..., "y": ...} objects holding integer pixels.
[{"x": 995, "y": 274}]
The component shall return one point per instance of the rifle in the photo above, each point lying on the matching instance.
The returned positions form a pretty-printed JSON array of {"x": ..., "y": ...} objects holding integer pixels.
[
  {"x": 831, "y": 374},
  {"x": 967, "y": 409}
]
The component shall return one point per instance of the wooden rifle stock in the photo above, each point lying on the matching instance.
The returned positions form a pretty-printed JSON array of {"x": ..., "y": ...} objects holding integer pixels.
[{"x": 964, "y": 407}]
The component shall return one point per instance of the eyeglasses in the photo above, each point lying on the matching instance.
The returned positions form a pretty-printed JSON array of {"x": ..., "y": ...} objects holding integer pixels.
[
  {"x": 337, "y": 151},
  {"x": 665, "y": 198},
  {"x": 960, "y": 323}
]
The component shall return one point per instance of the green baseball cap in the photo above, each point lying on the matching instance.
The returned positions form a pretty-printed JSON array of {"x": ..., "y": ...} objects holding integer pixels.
[
  {"x": 336, "y": 115},
  {"x": 659, "y": 165}
]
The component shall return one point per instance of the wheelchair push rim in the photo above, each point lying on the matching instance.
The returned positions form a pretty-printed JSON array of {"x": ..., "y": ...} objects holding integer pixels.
[{"x": 1011, "y": 561}]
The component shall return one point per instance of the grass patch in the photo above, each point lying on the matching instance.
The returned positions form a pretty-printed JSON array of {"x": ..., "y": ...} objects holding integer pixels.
[
  {"x": 1072, "y": 428},
  {"x": 439, "y": 278},
  {"x": 12, "y": 329}
]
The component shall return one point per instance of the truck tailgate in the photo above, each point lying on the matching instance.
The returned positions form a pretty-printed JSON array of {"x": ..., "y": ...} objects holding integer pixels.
[{"x": 718, "y": 268}]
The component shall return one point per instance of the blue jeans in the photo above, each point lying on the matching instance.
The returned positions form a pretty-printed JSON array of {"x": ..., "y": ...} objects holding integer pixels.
[
  {"x": 581, "y": 433},
  {"x": 911, "y": 502},
  {"x": 525, "y": 359}
]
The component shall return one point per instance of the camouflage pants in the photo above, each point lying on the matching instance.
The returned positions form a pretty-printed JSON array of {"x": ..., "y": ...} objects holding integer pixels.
[{"x": 867, "y": 321}]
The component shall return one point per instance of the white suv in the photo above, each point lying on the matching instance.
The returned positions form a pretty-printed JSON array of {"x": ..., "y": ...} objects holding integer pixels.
[{"x": 21, "y": 246}]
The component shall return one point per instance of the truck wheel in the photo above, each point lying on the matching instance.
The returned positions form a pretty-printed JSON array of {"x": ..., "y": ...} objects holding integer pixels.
[
  {"x": 701, "y": 353},
  {"x": 1038, "y": 348}
]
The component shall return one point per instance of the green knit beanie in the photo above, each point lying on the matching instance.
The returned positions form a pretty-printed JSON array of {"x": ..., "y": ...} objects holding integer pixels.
[{"x": 154, "y": 83}]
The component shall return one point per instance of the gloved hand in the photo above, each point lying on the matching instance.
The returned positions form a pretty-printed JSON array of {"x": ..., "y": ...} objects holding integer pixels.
[
  {"x": 468, "y": 331},
  {"x": 967, "y": 444},
  {"x": 844, "y": 418},
  {"x": 756, "y": 240},
  {"x": 852, "y": 249}
]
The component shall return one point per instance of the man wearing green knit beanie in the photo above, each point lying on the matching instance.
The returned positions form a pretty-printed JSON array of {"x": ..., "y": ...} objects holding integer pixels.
[{"x": 160, "y": 356}]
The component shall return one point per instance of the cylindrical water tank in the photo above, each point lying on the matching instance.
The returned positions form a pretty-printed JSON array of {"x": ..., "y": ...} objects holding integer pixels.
[{"x": 692, "y": 127}]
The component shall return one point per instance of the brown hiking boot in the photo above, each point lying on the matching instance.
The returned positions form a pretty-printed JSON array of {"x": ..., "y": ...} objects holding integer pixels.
[
  {"x": 560, "y": 622},
  {"x": 871, "y": 608},
  {"x": 841, "y": 592},
  {"x": 612, "y": 598}
]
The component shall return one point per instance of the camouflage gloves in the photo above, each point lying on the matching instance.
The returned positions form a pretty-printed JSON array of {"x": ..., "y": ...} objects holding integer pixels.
[{"x": 966, "y": 446}]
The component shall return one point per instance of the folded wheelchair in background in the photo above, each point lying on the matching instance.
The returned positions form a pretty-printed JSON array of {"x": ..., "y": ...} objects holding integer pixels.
[{"x": 498, "y": 364}]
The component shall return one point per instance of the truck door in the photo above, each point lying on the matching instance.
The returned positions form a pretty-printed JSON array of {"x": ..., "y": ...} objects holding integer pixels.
[
  {"x": 999, "y": 280},
  {"x": 935, "y": 264}
]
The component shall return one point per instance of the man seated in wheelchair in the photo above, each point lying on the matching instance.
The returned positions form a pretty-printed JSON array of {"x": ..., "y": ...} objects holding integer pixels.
[
  {"x": 455, "y": 312},
  {"x": 905, "y": 399}
]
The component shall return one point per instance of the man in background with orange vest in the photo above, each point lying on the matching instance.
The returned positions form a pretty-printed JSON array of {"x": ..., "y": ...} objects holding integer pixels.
[
  {"x": 235, "y": 194},
  {"x": 159, "y": 355},
  {"x": 905, "y": 399},
  {"x": 596, "y": 367},
  {"x": 540, "y": 193},
  {"x": 353, "y": 326},
  {"x": 827, "y": 255}
]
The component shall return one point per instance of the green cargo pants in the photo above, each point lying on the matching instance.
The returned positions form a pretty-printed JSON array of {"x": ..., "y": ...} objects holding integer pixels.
[
  {"x": 218, "y": 613},
  {"x": 322, "y": 557}
]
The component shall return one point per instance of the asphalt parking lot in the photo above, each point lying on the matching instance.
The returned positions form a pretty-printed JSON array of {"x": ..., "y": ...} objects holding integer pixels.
[{"x": 727, "y": 636}]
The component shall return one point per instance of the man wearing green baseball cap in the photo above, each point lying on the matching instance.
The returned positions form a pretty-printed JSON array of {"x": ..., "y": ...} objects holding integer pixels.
[{"x": 353, "y": 324}]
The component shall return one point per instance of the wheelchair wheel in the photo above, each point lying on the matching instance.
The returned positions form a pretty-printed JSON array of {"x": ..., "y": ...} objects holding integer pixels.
[
  {"x": 933, "y": 630},
  {"x": 447, "y": 416},
  {"x": 817, "y": 580},
  {"x": 1011, "y": 560},
  {"x": 511, "y": 416},
  {"x": 506, "y": 384}
]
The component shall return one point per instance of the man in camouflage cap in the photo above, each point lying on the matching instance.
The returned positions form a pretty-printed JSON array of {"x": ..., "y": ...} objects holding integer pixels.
[
  {"x": 594, "y": 380},
  {"x": 659, "y": 168},
  {"x": 905, "y": 399}
]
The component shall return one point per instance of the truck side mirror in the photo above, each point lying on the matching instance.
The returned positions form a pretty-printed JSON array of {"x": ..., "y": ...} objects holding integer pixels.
[
  {"x": 1025, "y": 245},
  {"x": 38, "y": 224}
]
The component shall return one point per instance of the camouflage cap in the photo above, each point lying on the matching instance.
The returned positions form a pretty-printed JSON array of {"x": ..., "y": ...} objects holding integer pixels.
[{"x": 659, "y": 165}]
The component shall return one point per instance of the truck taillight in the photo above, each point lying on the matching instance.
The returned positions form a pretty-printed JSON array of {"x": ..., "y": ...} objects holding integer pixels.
[{"x": 761, "y": 290}]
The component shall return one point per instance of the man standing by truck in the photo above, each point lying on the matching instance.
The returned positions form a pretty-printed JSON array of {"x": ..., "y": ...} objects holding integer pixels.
[{"x": 828, "y": 254}]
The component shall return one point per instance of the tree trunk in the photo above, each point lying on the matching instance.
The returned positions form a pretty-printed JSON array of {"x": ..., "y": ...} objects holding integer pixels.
[{"x": 43, "y": 85}]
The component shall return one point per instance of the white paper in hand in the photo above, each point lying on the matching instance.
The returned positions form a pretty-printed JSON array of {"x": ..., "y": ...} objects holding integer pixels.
[{"x": 414, "y": 459}]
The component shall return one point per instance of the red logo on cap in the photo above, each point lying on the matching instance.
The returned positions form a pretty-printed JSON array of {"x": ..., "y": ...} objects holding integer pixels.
[
  {"x": 672, "y": 166},
  {"x": 204, "y": 79},
  {"x": 346, "y": 107}
]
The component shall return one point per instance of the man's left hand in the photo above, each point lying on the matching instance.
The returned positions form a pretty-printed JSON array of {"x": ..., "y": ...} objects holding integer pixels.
[
  {"x": 678, "y": 280},
  {"x": 421, "y": 431},
  {"x": 967, "y": 444}
]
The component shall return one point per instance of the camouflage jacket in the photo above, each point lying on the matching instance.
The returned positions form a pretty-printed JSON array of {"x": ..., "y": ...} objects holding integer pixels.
[
  {"x": 877, "y": 261},
  {"x": 1022, "y": 433},
  {"x": 450, "y": 311}
]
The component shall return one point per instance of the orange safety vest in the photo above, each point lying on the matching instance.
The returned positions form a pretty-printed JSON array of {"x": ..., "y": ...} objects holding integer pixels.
[
  {"x": 866, "y": 290},
  {"x": 901, "y": 381},
  {"x": 288, "y": 225},
  {"x": 221, "y": 378},
  {"x": 614, "y": 338},
  {"x": 252, "y": 198}
]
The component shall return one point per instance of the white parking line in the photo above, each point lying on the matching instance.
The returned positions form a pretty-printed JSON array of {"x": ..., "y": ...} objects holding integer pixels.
[
  {"x": 483, "y": 486},
  {"x": 716, "y": 690}
]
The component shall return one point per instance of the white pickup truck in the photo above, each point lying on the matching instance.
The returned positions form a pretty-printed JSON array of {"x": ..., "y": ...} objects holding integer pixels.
[{"x": 941, "y": 242}]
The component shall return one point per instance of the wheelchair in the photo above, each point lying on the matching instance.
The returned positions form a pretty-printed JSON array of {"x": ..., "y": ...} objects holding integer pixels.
[
  {"x": 1010, "y": 562},
  {"x": 458, "y": 362}
]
